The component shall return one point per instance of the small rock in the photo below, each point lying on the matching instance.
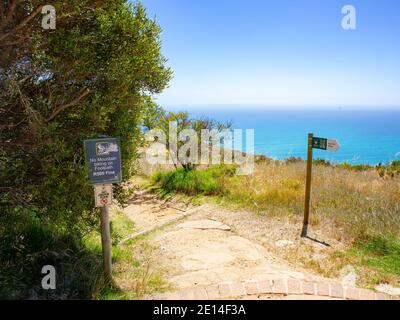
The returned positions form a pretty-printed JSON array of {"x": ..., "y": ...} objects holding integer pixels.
[
  {"x": 264, "y": 240},
  {"x": 348, "y": 276},
  {"x": 388, "y": 289},
  {"x": 284, "y": 243}
]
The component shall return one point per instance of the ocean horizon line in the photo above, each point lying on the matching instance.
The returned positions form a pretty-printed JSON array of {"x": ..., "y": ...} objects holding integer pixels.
[{"x": 238, "y": 107}]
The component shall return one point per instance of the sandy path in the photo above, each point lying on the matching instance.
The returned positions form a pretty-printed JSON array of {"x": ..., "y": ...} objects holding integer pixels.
[
  {"x": 212, "y": 256},
  {"x": 215, "y": 246}
]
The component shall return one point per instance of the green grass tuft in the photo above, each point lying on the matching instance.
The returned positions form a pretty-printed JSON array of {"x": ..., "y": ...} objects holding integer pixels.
[
  {"x": 194, "y": 182},
  {"x": 135, "y": 273},
  {"x": 380, "y": 254}
]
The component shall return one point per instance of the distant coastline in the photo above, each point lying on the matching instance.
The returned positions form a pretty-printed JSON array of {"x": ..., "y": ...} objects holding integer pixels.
[{"x": 368, "y": 136}]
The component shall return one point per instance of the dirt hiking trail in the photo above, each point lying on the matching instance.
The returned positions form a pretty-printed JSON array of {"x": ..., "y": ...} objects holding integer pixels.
[{"x": 213, "y": 253}]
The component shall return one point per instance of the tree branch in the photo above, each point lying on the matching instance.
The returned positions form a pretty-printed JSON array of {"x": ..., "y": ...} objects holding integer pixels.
[
  {"x": 10, "y": 126},
  {"x": 1, "y": 8},
  {"x": 13, "y": 43},
  {"x": 83, "y": 93},
  {"x": 22, "y": 23},
  {"x": 10, "y": 11}
]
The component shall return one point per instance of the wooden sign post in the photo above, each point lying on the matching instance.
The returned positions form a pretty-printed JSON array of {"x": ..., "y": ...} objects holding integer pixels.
[
  {"x": 321, "y": 144},
  {"x": 103, "y": 158},
  {"x": 103, "y": 199},
  {"x": 106, "y": 243},
  {"x": 308, "y": 186}
]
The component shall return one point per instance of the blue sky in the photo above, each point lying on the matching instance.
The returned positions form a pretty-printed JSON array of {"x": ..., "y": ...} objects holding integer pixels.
[{"x": 265, "y": 53}]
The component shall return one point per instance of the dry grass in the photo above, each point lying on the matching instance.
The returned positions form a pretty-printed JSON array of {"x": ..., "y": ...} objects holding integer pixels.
[
  {"x": 136, "y": 271},
  {"x": 351, "y": 204}
]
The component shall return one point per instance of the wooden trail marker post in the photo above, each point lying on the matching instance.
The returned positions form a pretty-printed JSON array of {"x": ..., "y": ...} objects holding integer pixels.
[
  {"x": 331, "y": 145},
  {"x": 103, "y": 158},
  {"x": 308, "y": 186}
]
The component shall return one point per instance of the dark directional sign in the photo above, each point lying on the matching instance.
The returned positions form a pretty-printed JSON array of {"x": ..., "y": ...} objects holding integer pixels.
[
  {"x": 103, "y": 158},
  {"x": 319, "y": 143}
]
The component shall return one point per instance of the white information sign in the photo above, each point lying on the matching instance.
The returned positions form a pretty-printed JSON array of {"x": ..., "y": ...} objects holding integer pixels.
[
  {"x": 333, "y": 145},
  {"x": 103, "y": 195}
]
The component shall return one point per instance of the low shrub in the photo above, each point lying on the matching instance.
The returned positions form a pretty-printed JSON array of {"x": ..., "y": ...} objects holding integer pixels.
[
  {"x": 355, "y": 167},
  {"x": 294, "y": 160},
  {"x": 194, "y": 182},
  {"x": 322, "y": 162}
]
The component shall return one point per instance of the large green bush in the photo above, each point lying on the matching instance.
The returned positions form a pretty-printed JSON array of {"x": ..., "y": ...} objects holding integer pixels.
[{"x": 91, "y": 76}]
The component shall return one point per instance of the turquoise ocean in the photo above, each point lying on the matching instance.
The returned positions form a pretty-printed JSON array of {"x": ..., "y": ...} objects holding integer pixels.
[{"x": 366, "y": 136}]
